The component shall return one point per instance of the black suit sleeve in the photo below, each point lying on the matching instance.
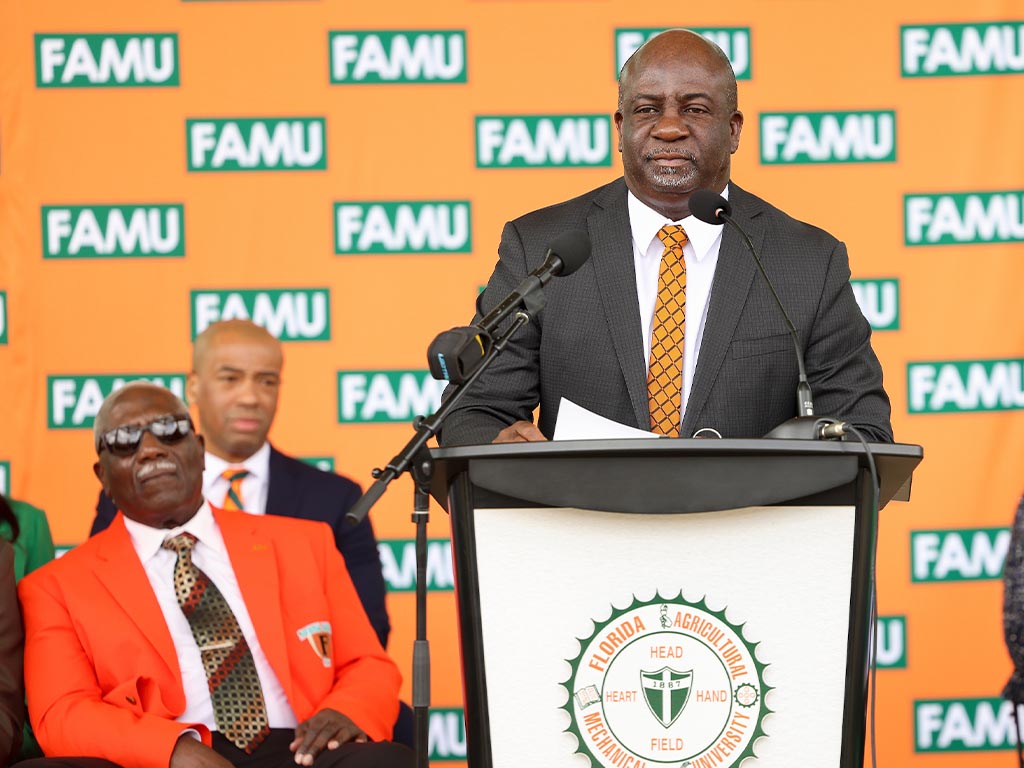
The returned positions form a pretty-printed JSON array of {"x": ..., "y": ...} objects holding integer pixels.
[
  {"x": 12, "y": 639},
  {"x": 105, "y": 513}
]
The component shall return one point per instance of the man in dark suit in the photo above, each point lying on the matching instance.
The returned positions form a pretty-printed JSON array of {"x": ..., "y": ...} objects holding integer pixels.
[
  {"x": 12, "y": 692},
  {"x": 731, "y": 364},
  {"x": 234, "y": 384}
]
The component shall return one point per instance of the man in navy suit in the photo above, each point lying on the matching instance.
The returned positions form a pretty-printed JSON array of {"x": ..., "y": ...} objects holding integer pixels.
[{"x": 235, "y": 382}]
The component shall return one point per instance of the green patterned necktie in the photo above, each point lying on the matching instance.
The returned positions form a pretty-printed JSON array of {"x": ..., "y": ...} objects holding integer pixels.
[{"x": 238, "y": 707}]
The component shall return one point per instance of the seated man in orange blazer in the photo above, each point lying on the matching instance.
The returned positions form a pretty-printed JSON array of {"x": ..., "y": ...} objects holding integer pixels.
[{"x": 187, "y": 636}]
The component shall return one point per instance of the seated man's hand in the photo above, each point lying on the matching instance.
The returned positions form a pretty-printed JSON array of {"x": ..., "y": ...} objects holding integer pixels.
[
  {"x": 327, "y": 728},
  {"x": 520, "y": 432},
  {"x": 192, "y": 753}
]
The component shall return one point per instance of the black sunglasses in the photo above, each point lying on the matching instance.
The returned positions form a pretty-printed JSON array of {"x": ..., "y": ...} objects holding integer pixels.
[{"x": 124, "y": 441}]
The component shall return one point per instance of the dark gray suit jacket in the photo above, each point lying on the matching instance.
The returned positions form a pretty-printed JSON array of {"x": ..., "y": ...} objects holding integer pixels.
[{"x": 586, "y": 344}]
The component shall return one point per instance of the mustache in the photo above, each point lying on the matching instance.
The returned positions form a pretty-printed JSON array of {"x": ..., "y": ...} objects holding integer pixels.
[
  {"x": 154, "y": 466},
  {"x": 686, "y": 154}
]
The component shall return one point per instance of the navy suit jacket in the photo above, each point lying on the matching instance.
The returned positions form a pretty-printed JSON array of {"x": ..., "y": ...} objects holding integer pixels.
[{"x": 299, "y": 490}]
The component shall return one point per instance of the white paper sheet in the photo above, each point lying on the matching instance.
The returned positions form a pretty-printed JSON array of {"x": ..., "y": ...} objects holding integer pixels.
[{"x": 575, "y": 422}]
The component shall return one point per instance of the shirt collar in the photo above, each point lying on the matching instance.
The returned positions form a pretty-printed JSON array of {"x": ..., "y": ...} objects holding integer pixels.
[
  {"x": 646, "y": 222},
  {"x": 258, "y": 465},
  {"x": 148, "y": 541}
]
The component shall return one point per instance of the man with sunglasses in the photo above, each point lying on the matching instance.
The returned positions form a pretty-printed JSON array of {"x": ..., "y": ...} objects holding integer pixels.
[
  {"x": 186, "y": 635},
  {"x": 235, "y": 384}
]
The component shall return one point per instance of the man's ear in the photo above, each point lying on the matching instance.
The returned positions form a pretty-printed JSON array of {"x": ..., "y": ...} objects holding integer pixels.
[
  {"x": 101, "y": 475},
  {"x": 202, "y": 445},
  {"x": 191, "y": 385}
]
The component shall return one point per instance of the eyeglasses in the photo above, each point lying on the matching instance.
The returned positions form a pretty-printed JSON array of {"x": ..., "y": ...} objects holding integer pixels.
[{"x": 124, "y": 441}]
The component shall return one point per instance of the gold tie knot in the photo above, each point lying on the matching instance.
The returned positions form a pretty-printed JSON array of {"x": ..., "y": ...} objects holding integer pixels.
[
  {"x": 672, "y": 236},
  {"x": 183, "y": 542}
]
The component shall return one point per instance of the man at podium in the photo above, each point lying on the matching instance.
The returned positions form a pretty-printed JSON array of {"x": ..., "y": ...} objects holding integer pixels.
[{"x": 669, "y": 327}]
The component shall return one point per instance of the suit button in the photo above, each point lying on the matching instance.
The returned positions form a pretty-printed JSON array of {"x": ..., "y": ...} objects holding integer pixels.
[{"x": 130, "y": 699}]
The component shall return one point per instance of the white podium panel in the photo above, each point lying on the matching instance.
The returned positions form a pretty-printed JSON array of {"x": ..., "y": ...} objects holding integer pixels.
[{"x": 677, "y": 640}]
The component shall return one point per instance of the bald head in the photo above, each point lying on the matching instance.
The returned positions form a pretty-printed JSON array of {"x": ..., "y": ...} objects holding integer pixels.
[{"x": 244, "y": 331}]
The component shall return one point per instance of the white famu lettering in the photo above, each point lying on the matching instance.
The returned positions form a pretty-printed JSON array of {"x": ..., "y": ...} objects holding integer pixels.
[
  {"x": 398, "y": 565},
  {"x": 989, "y": 48},
  {"x": 375, "y": 397},
  {"x": 141, "y": 61},
  {"x": 953, "y": 728},
  {"x": 291, "y": 144},
  {"x": 431, "y": 228},
  {"x": 891, "y": 642},
  {"x": 424, "y": 56},
  {"x": 576, "y": 140},
  {"x": 446, "y": 736},
  {"x": 145, "y": 231},
  {"x": 993, "y": 386},
  {"x": 942, "y": 556},
  {"x": 878, "y": 301},
  {"x": 294, "y": 315},
  {"x": 3, "y": 316},
  {"x": 847, "y": 137},
  {"x": 735, "y": 44},
  {"x": 979, "y": 218}
]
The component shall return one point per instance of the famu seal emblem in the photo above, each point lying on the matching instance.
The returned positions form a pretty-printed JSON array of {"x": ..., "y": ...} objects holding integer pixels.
[{"x": 669, "y": 683}]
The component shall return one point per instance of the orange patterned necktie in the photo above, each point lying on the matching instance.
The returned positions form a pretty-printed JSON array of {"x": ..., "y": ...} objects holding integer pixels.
[
  {"x": 233, "y": 498},
  {"x": 665, "y": 374},
  {"x": 235, "y": 691}
]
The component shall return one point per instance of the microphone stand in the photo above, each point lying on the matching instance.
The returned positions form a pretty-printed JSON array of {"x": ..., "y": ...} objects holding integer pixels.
[{"x": 415, "y": 457}]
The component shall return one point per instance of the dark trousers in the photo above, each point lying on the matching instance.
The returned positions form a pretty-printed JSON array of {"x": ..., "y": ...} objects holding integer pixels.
[{"x": 272, "y": 753}]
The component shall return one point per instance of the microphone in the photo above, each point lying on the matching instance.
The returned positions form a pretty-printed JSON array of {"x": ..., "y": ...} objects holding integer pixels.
[
  {"x": 454, "y": 355},
  {"x": 712, "y": 208}
]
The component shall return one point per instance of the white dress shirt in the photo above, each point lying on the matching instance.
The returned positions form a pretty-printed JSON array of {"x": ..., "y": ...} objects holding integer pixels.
[
  {"x": 254, "y": 486},
  {"x": 211, "y": 557},
  {"x": 701, "y": 255}
]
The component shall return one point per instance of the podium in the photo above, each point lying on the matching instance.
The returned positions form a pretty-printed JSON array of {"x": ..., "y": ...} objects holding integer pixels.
[{"x": 678, "y": 603}]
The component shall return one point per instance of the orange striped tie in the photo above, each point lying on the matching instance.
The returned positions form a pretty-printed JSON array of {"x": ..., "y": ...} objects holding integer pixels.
[
  {"x": 665, "y": 374},
  {"x": 233, "y": 499}
]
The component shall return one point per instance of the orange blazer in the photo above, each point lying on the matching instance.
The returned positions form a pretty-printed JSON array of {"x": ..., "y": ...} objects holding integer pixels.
[{"x": 101, "y": 671}]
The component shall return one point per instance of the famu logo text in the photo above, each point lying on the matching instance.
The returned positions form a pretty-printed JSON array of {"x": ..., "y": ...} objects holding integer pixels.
[
  {"x": 828, "y": 137},
  {"x": 879, "y": 301},
  {"x": 968, "y": 217},
  {"x": 290, "y": 314},
  {"x": 122, "y": 60},
  {"x": 113, "y": 231},
  {"x": 961, "y": 386},
  {"x": 5, "y": 478},
  {"x": 257, "y": 144},
  {"x": 398, "y": 564},
  {"x": 543, "y": 141},
  {"x": 892, "y": 642},
  {"x": 3, "y": 317},
  {"x": 446, "y": 734},
  {"x": 398, "y": 56},
  {"x": 963, "y": 725},
  {"x": 386, "y": 396},
  {"x": 940, "y": 50},
  {"x": 734, "y": 42},
  {"x": 74, "y": 401},
  {"x": 966, "y": 554},
  {"x": 666, "y": 682},
  {"x": 403, "y": 227}
]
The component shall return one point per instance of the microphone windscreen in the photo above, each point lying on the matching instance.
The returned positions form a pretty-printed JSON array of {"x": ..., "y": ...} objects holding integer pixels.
[
  {"x": 705, "y": 205},
  {"x": 573, "y": 248}
]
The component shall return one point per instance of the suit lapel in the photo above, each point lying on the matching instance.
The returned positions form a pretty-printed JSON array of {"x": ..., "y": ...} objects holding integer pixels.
[
  {"x": 254, "y": 562},
  {"x": 612, "y": 257},
  {"x": 281, "y": 491},
  {"x": 120, "y": 571},
  {"x": 733, "y": 277}
]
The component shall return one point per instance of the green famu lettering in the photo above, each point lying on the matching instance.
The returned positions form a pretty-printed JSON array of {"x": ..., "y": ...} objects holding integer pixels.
[
  {"x": 113, "y": 231},
  {"x": 446, "y": 735},
  {"x": 538, "y": 140},
  {"x": 3, "y": 317},
  {"x": 398, "y": 564},
  {"x": 734, "y": 42},
  {"x": 892, "y": 642},
  {"x": 97, "y": 60},
  {"x": 5, "y": 478},
  {"x": 290, "y": 314},
  {"x": 971, "y": 217},
  {"x": 965, "y": 386},
  {"x": 972, "y": 554},
  {"x": 398, "y": 56},
  {"x": 879, "y": 301},
  {"x": 323, "y": 463},
  {"x": 74, "y": 401},
  {"x": 386, "y": 396},
  {"x": 828, "y": 137},
  {"x": 257, "y": 144},
  {"x": 963, "y": 725},
  {"x": 402, "y": 227},
  {"x": 943, "y": 50}
]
